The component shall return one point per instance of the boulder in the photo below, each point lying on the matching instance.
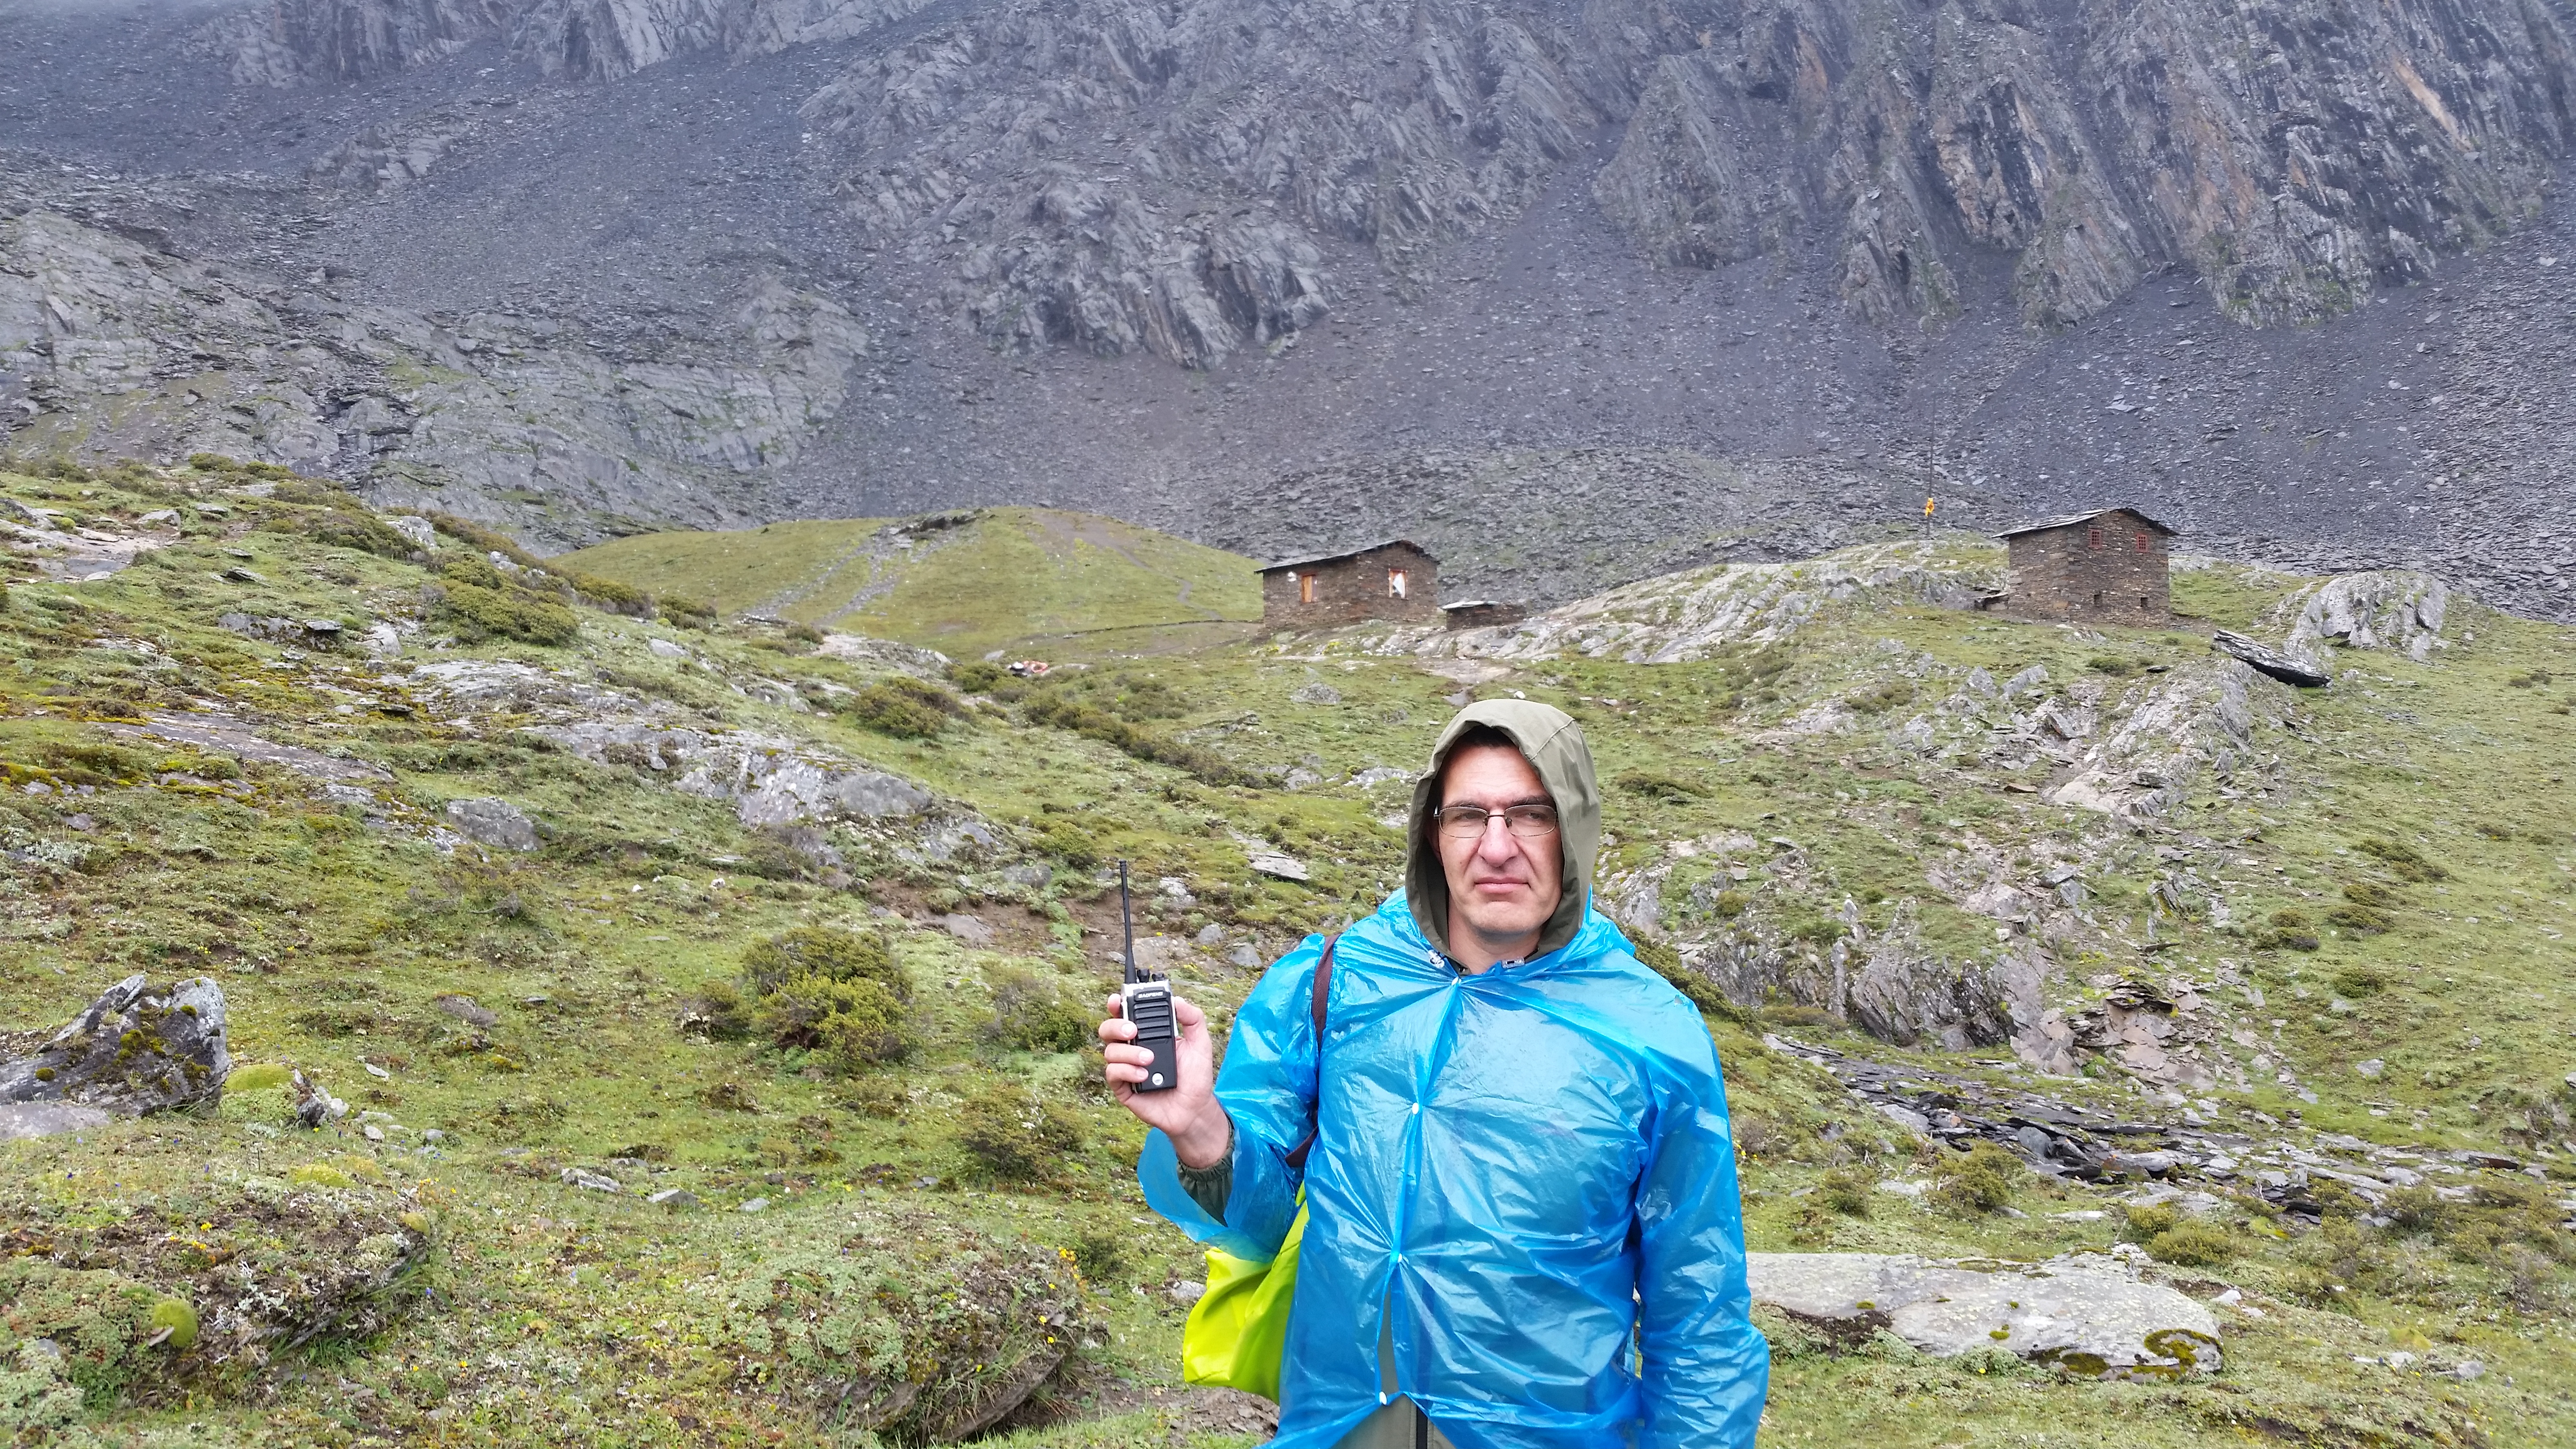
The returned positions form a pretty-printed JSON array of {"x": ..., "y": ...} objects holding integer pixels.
[
  {"x": 2265, "y": 659},
  {"x": 488, "y": 820},
  {"x": 1283, "y": 866},
  {"x": 467, "y": 1010},
  {"x": 136, "y": 1049},
  {"x": 21, "y": 1120},
  {"x": 2086, "y": 1313}
]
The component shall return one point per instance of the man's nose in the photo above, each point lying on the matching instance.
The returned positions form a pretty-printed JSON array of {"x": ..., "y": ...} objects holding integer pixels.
[{"x": 1497, "y": 844}]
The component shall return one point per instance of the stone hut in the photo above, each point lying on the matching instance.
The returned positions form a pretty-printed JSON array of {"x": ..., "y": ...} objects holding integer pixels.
[
  {"x": 1482, "y": 613},
  {"x": 1394, "y": 581},
  {"x": 2104, "y": 567}
]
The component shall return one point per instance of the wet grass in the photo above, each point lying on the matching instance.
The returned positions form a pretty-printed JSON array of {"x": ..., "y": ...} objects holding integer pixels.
[
  {"x": 1003, "y": 576},
  {"x": 553, "y": 1314}
]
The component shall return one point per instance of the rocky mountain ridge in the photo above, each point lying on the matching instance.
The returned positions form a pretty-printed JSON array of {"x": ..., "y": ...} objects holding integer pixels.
[{"x": 1110, "y": 255}]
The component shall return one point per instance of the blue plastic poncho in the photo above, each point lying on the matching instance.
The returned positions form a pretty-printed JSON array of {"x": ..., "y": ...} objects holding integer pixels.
[{"x": 1526, "y": 1173}]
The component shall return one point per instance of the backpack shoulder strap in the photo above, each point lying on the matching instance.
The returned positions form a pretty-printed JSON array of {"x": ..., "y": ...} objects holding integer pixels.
[
  {"x": 1323, "y": 991},
  {"x": 1315, "y": 1008}
]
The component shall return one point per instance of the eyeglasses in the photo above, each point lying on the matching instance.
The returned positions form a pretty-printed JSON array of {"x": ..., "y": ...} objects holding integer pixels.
[{"x": 1467, "y": 822}]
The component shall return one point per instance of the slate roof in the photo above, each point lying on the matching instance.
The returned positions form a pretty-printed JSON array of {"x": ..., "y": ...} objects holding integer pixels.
[
  {"x": 2044, "y": 524},
  {"x": 1339, "y": 555}
]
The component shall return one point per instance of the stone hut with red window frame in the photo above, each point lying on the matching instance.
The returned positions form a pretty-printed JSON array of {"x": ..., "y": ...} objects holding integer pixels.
[
  {"x": 1395, "y": 582},
  {"x": 2106, "y": 567}
]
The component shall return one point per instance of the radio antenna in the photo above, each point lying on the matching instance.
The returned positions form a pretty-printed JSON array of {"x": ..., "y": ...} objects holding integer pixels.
[{"x": 1127, "y": 924}]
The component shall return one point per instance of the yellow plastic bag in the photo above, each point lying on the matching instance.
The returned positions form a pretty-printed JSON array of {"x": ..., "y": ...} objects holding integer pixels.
[{"x": 1238, "y": 1330}]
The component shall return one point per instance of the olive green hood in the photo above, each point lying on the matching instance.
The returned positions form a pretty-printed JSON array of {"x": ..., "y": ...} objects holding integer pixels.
[{"x": 1553, "y": 744}]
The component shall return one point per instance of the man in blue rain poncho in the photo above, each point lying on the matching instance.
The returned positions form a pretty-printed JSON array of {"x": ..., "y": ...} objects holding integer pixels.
[{"x": 1523, "y": 1226}]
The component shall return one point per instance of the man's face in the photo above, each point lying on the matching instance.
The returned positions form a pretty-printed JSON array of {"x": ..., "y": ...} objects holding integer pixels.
[{"x": 1505, "y": 885}]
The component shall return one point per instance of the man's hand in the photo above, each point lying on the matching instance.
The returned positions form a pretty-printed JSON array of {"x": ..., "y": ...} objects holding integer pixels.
[{"x": 1187, "y": 1113}]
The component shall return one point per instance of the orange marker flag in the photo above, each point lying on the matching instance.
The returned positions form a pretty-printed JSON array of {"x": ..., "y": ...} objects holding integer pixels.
[{"x": 1927, "y": 508}]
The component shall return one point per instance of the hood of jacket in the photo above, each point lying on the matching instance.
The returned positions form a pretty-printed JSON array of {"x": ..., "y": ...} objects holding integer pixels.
[{"x": 1553, "y": 743}]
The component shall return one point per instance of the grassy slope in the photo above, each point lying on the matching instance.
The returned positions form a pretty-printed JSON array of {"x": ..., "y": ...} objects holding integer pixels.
[
  {"x": 1012, "y": 574},
  {"x": 559, "y": 1316}
]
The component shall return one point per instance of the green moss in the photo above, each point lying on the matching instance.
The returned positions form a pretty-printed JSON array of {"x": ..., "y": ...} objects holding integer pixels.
[
  {"x": 259, "y": 1077},
  {"x": 179, "y": 1318},
  {"x": 97, "y": 1318}
]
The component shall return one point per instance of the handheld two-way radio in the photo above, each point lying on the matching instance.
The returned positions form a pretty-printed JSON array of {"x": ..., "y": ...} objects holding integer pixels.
[{"x": 1147, "y": 1001}]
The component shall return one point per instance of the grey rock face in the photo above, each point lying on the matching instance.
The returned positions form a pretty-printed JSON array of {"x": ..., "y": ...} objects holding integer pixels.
[
  {"x": 134, "y": 1050},
  {"x": 2086, "y": 1313},
  {"x": 493, "y": 822},
  {"x": 421, "y": 414},
  {"x": 22, "y": 1120},
  {"x": 1801, "y": 232},
  {"x": 2396, "y": 609}
]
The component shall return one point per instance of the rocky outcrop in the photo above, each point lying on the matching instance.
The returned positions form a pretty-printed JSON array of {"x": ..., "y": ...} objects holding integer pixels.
[
  {"x": 487, "y": 820},
  {"x": 2400, "y": 610},
  {"x": 111, "y": 346},
  {"x": 2085, "y": 1313},
  {"x": 1692, "y": 615},
  {"x": 1120, "y": 177},
  {"x": 2198, "y": 721},
  {"x": 134, "y": 1050},
  {"x": 2293, "y": 158}
]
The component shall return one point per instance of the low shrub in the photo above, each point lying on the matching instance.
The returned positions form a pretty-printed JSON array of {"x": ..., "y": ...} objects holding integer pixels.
[
  {"x": 482, "y": 540},
  {"x": 1070, "y": 843},
  {"x": 616, "y": 596},
  {"x": 1102, "y": 1257},
  {"x": 2288, "y": 931},
  {"x": 1648, "y": 785},
  {"x": 2193, "y": 1243},
  {"x": 343, "y": 528},
  {"x": 1883, "y": 698},
  {"x": 879, "y": 1097},
  {"x": 1846, "y": 1190},
  {"x": 1063, "y": 711},
  {"x": 1797, "y": 1017},
  {"x": 1980, "y": 1179},
  {"x": 478, "y": 613},
  {"x": 687, "y": 612},
  {"x": 830, "y": 990},
  {"x": 2361, "y": 920},
  {"x": 2405, "y": 860},
  {"x": 979, "y": 676},
  {"x": 904, "y": 707},
  {"x": 1013, "y": 1136},
  {"x": 2146, "y": 1220},
  {"x": 2417, "y": 1209},
  {"x": 1031, "y": 1015}
]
